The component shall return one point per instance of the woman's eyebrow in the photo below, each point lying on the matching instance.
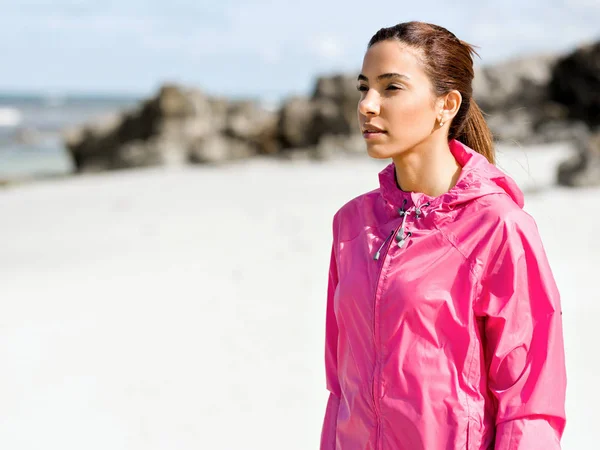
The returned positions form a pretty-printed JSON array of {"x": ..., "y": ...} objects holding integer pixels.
[{"x": 384, "y": 76}]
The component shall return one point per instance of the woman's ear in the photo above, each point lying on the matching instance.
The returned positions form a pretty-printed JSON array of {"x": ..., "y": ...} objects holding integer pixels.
[{"x": 450, "y": 105}]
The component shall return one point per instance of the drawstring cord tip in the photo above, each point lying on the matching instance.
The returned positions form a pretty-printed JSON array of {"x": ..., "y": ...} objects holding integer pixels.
[{"x": 378, "y": 254}]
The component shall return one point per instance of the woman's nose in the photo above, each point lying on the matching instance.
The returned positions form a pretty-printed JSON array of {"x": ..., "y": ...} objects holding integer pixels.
[{"x": 369, "y": 104}]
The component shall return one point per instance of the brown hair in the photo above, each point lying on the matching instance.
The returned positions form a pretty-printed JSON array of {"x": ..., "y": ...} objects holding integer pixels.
[{"x": 448, "y": 62}]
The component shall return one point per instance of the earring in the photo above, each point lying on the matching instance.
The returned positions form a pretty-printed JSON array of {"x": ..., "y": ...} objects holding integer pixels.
[{"x": 441, "y": 123}]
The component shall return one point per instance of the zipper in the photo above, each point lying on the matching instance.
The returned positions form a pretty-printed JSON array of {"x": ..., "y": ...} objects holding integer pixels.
[
  {"x": 374, "y": 387},
  {"x": 400, "y": 241}
]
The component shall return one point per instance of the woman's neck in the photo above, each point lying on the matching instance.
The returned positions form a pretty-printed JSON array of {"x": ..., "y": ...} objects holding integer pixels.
[{"x": 430, "y": 169}]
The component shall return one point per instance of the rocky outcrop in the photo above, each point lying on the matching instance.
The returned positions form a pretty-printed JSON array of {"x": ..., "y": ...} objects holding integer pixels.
[
  {"x": 575, "y": 85},
  {"x": 178, "y": 126},
  {"x": 529, "y": 100},
  {"x": 548, "y": 99},
  {"x": 515, "y": 97},
  {"x": 314, "y": 126},
  {"x": 182, "y": 125}
]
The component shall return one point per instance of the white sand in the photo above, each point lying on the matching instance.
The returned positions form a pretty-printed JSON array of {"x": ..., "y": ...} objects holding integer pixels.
[{"x": 185, "y": 308}]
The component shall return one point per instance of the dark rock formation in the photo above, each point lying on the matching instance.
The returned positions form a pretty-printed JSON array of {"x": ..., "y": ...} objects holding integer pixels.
[
  {"x": 177, "y": 126},
  {"x": 583, "y": 169},
  {"x": 575, "y": 84},
  {"x": 529, "y": 100}
]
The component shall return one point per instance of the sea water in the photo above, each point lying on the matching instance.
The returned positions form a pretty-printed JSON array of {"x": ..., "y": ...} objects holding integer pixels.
[{"x": 31, "y": 143}]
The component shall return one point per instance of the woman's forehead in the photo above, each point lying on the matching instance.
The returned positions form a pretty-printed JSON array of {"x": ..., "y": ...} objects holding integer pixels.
[{"x": 391, "y": 57}]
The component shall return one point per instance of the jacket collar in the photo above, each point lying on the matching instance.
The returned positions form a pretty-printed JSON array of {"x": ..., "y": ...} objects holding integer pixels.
[{"x": 478, "y": 177}]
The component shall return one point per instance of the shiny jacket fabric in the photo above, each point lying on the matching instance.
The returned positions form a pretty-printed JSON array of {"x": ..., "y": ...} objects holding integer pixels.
[{"x": 443, "y": 320}]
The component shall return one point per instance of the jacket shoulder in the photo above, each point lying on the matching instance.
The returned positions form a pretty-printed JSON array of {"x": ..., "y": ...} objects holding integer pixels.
[
  {"x": 487, "y": 224},
  {"x": 499, "y": 211}
]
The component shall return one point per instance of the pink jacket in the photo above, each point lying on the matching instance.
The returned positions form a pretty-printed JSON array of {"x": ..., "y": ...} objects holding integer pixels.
[{"x": 443, "y": 323}]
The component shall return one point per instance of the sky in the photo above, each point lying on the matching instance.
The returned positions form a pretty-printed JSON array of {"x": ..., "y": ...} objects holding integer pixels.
[{"x": 254, "y": 48}]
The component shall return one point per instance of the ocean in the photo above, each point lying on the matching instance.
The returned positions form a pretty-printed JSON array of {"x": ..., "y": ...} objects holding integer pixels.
[{"x": 31, "y": 144}]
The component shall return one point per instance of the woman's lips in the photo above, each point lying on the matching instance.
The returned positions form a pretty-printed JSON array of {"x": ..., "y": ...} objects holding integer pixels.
[{"x": 373, "y": 134}]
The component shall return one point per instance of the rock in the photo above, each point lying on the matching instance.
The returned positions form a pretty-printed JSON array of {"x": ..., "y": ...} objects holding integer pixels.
[
  {"x": 514, "y": 97},
  {"x": 298, "y": 154},
  {"x": 575, "y": 83},
  {"x": 512, "y": 125},
  {"x": 561, "y": 131},
  {"x": 174, "y": 102},
  {"x": 156, "y": 151},
  {"x": 336, "y": 101},
  {"x": 247, "y": 121},
  {"x": 337, "y": 87},
  {"x": 217, "y": 149},
  {"x": 543, "y": 98},
  {"x": 516, "y": 83},
  {"x": 267, "y": 140},
  {"x": 219, "y": 108},
  {"x": 92, "y": 147},
  {"x": 330, "y": 118},
  {"x": 176, "y": 127},
  {"x": 331, "y": 109},
  {"x": 583, "y": 170},
  {"x": 530, "y": 100},
  {"x": 331, "y": 146},
  {"x": 296, "y": 122}
]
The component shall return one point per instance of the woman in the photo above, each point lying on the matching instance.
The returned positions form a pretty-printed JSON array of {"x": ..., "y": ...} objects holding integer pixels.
[{"x": 443, "y": 326}]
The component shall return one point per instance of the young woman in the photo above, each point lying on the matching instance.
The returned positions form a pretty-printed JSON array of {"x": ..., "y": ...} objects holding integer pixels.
[{"x": 443, "y": 323}]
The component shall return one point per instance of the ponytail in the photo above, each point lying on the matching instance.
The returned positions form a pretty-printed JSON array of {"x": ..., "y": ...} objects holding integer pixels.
[{"x": 476, "y": 134}]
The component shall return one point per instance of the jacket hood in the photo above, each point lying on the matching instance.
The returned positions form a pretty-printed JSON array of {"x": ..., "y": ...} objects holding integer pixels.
[{"x": 478, "y": 178}]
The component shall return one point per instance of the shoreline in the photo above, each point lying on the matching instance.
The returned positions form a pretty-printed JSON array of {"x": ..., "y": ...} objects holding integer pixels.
[{"x": 513, "y": 153}]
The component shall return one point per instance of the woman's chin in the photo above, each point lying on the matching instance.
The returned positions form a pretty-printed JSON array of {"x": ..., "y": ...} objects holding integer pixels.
[{"x": 378, "y": 151}]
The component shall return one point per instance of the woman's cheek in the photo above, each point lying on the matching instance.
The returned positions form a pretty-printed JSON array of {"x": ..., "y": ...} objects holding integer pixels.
[{"x": 409, "y": 120}]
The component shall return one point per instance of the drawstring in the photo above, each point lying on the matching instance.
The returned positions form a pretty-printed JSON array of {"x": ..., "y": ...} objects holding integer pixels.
[
  {"x": 401, "y": 239},
  {"x": 418, "y": 210},
  {"x": 401, "y": 235},
  {"x": 376, "y": 257}
]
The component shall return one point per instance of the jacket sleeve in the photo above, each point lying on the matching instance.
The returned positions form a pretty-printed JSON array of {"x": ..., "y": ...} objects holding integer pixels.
[
  {"x": 520, "y": 305},
  {"x": 328, "y": 433}
]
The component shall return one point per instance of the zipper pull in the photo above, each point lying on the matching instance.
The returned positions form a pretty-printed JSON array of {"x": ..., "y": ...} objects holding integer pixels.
[
  {"x": 376, "y": 257},
  {"x": 400, "y": 235},
  {"x": 402, "y": 240}
]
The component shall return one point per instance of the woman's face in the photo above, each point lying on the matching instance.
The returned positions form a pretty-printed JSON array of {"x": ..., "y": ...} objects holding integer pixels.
[{"x": 396, "y": 97}]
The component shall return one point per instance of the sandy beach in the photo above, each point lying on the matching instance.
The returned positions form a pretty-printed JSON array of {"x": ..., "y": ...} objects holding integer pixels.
[{"x": 184, "y": 308}]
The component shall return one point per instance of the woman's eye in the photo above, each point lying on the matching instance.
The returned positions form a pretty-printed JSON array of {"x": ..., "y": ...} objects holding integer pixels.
[
  {"x": 393, "y": 88},
  {"x": 362, "y": 88}
]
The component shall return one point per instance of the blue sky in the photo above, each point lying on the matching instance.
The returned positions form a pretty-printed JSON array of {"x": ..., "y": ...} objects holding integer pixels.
[{"x": 250, "y": 48}]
